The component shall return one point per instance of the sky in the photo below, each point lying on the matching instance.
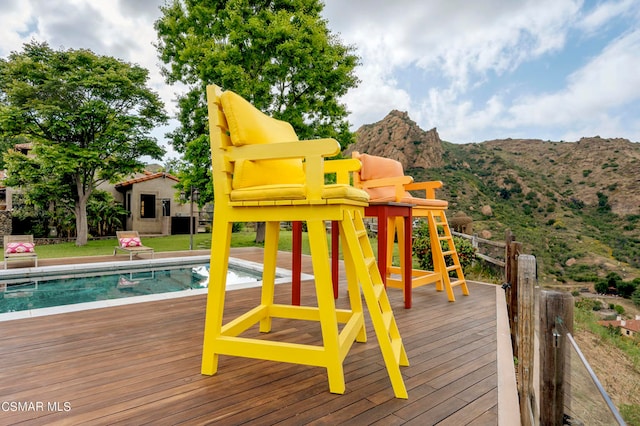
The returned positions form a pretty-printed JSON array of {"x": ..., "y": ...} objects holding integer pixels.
[{"x": 476, "y": 70}]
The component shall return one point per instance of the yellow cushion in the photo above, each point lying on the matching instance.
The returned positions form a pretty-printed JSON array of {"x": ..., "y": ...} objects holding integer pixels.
[
  {"x": 248, "y": 125},
  {"x": 249, "y": 174},
  {"x": 269, "y": 192},
  {"x": 297, "y": 192},
  {"x": 344, "y": 191}
]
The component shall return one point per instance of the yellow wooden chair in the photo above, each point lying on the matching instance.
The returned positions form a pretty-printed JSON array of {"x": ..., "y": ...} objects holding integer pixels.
[
  {"x": 263, "y": 173},
  {"x": 385, "y": 181}
]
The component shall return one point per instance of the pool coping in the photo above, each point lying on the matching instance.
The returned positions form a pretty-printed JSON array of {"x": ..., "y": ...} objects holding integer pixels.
[{"x": 282, "y": 276}]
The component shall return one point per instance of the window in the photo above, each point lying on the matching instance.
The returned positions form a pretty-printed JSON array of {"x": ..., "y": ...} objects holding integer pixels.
[
  {"x": 147, "y": 206},
  {"x": 127, "y": 203}
]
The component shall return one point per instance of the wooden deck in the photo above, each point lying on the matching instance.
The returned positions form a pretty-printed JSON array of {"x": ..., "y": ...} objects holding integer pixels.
[{"x": 140, "y": 364}]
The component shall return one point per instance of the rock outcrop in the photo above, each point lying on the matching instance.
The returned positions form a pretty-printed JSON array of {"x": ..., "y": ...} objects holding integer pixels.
[{"x": 400, "y": 138}]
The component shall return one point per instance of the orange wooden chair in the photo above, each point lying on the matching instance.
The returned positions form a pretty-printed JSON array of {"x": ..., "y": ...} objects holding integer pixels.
[{"x": 385, "y": 182}]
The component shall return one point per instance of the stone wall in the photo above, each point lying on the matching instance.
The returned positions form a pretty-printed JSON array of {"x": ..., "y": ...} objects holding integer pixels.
[{"x": 5, "y": 224}]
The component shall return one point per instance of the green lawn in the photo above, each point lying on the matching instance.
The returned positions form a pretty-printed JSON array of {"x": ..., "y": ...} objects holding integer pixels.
[
  {"x": 105, "y": 246},
  {"x": 168, "y": 243},
  {"x": 159, "y": 244}
]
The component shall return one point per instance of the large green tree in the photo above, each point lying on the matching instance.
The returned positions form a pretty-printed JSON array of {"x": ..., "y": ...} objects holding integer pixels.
[
  {"x": 277, "y": 54},
  {"x": 87, "y": 117}
]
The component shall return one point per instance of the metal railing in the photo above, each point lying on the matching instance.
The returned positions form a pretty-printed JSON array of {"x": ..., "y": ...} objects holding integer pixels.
[{"x": 556, "y": 384}]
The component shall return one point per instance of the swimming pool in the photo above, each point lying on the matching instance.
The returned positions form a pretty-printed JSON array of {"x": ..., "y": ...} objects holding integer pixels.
[{"x": 31, "y": 292}]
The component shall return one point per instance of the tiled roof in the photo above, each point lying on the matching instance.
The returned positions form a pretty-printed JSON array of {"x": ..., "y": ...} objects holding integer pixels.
[
  {"x": 147, "y": 176},
  {"x": 633, "y": 325}
]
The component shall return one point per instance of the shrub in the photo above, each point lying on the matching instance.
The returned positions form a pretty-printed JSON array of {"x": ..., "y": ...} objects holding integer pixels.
[
  {"x": 588, "y": 304},
  {"x": 422, "y": 249}
]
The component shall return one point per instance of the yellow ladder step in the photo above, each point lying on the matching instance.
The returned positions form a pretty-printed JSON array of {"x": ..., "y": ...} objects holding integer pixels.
[
  {"x": 375, "y": 295},
  {"x": 378, "y": 289},
  {"x": 387, "y": 318},
  {"x": 370, "y": 262},
  {"x": 457, "y": 283},
  {"x": 396, "y": 346},
  {"x": 360, "y": 233}
]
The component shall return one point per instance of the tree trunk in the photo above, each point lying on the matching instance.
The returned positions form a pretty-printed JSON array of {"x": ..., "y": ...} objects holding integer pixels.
[
  {"x": 82, "y": 226},
  {"x": 260, "y": 229}
]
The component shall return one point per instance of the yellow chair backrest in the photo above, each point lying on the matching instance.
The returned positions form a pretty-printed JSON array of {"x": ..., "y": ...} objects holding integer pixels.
[
  {"x": 250, "y": 126},
  {"x": 258, "y": 159}
]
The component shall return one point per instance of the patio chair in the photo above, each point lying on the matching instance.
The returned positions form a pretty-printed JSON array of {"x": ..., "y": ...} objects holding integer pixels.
[
  {"x": 385, "y": 182},
  {"x": 129, "y": 242},
  {"x": 18, "y": 247},
  {"x": 263, "y": 173}
]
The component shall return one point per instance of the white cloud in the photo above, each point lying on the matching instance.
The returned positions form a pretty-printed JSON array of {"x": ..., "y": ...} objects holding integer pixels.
[
  {"x": 463, "y": 43},
  {"x": 603, "y": 13},
  {"x": 449, "y": 63},
  {"x": 611, "y": 80}
]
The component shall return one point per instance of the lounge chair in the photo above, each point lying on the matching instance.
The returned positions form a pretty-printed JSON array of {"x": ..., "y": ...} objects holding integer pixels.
[
  {"x": 129, "y": 241},
  {"x": 18, "y": 247}
]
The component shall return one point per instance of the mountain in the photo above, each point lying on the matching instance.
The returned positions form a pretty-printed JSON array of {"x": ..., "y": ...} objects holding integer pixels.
[
  {"x": 574, "y": 205},
  {"x": 398, "y": 137}
]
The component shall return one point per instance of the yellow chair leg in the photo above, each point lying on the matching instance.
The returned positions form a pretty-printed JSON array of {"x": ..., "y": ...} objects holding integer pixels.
[
  {"x": 220, "y": 244},
  {"x": 272, "y": 233},
  {"x": 326, "y": 304}
]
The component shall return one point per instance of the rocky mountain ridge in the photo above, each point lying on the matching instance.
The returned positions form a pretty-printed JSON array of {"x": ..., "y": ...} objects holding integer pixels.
[
  {"x": 573, "y": 204},
  {"x": 397, "y": 136}
]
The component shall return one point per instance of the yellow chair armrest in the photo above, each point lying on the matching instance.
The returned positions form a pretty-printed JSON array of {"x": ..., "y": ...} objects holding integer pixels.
[
  {"x": 342, "y": 169},
  {"x": 284, "y": 150},
  {"x": 429, "y": 188}
]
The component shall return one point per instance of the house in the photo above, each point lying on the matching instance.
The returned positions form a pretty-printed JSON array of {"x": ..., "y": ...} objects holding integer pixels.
[
  {"x": 153, "y": 203},
  {"x": 151, "y": 199},
  {"x": 628, "y": 328}
]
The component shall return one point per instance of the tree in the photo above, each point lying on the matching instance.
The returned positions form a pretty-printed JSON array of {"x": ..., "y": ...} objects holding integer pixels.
[
  {"x": 277, "y": 54},
  {"x": 635, "y": 296},
  {"x": 625, "y": 288},
  {"x": 88, "y": 118}
]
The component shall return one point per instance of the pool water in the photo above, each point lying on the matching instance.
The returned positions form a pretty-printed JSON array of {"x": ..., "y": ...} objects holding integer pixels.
[{"x": 49, "y": 291}]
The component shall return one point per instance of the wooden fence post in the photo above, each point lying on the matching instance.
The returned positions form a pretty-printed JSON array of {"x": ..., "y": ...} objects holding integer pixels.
[
  {"x": 556, "y": 320},
  {"x": 525, "y": 336},
  {"x": 512, "y": 250}
]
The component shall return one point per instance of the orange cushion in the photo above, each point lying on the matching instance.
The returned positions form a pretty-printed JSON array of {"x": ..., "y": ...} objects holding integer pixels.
[
  {"x": 374, "y": 167},
  {"x": 247, "y": 126}
]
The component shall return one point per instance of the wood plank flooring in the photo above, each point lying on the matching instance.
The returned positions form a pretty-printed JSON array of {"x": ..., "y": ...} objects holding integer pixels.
[{"x": 140, "y": 364}]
